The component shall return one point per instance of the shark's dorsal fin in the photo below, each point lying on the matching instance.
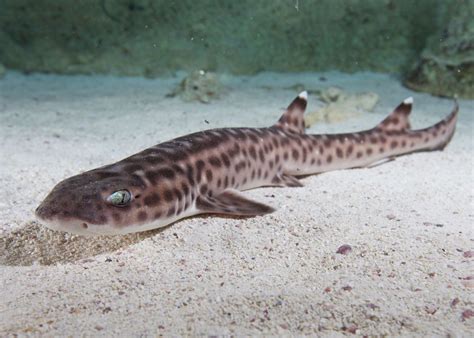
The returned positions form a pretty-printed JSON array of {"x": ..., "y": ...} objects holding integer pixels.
[
  {"x": 293, "y": 119},
  {"x": 398, "y": 119},
  {"x": 231, "y": 203}
]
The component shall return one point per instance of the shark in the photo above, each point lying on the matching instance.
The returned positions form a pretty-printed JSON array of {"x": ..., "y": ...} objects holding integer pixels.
[{"x": 205, "y": 172}]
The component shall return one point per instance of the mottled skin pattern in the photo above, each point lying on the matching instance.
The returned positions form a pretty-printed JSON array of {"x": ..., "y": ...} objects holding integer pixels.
[{"x": 203, "y": 172}]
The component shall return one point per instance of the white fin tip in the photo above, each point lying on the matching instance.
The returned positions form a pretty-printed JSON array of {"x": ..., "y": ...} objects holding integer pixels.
[
  {"x": 408, "y": 100},
  {"x": 303, "y": 95}
]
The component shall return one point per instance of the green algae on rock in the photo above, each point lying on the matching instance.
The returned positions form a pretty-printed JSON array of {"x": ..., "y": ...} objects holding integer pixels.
[{"x": 446, "y": 66}]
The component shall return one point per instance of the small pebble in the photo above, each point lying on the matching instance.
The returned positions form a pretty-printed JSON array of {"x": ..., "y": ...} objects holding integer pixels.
[
  {"x": 351, "y": 328},
  {"x": 344, "y": 249},
  {"x": 455, "y": 302},
  {"x": 466, "y": 314},
  {"x": 431, "y": 309},
  {"x": 468, "y": 254},
  {"x": 347, "y": 288},
  {"x": 391, "y": 216}
]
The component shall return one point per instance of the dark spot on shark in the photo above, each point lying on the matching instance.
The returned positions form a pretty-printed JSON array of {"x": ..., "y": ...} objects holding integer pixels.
[
  {"x": 190, "y": 174},
  {"x": 152, "y": 176},
  {"x": 252, "y": 152},
  {"x": 209, "y": 175},
  {"x": 106, "y": 174},
  {"x": 171, "y": 211},
  {"x": 151, "y": 200},
  {"x": 295, "y": 154},
  {"x": 166, "y": 173},
  {"x": 131, "y": 168},
  {"x": 168, "y": 195},
  {"x": 177, "y": 193},
  {"x": 185, "y": 188},
  {"x": 142, "y": 216},
  {"x": 226, "y": 160},
  {"x": 215, "y": 161},
  {"x": 349, "y": 151}
]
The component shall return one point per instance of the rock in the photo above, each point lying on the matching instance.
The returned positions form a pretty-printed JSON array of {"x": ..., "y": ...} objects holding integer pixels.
[
  {"x": 200, "y": 86},
  {"x": 344, "y": 249},
  {"x": 446, "y": 65},
  {"x": 341, "y": 106}
]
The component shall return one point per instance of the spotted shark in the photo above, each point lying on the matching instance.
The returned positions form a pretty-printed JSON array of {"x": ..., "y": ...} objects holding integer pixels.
[{"x": 204, "y": 172}]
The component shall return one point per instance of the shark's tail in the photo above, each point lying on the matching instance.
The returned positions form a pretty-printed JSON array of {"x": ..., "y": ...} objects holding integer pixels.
[
  {"x": 390, "y": 138},
  {"x": 435, "y": 137}
]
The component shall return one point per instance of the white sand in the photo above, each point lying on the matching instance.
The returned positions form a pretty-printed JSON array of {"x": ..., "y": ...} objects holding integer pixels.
[{"x": 409, "y": 222}]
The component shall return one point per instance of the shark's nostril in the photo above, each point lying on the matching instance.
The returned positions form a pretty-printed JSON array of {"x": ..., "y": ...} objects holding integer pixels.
[{"x": 40, "y": 211}]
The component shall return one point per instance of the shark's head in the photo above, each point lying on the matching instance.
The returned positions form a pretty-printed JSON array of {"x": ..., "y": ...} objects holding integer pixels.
[{"x": 97, "y": 202}]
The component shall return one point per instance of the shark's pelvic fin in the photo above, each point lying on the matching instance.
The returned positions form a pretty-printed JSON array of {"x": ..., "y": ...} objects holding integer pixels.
[{"x": 231, "y": 203}]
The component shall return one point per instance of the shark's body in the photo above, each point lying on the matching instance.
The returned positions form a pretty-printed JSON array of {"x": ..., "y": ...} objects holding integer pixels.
[{"x": 203, "y": 172}]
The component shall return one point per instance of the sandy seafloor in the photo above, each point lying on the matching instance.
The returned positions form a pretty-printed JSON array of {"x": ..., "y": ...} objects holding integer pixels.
[{"x": 409, "y": 222}]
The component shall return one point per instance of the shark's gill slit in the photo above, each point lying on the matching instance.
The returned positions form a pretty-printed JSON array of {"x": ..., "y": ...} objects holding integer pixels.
[{"x": 201, "y": 172}]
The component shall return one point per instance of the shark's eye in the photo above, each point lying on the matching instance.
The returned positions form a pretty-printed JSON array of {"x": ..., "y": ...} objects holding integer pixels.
[{"x": 120, "y": 198}]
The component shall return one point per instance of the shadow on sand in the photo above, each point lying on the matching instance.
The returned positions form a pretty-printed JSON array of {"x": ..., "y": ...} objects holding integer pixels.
[{"x": 35, "y": 244}]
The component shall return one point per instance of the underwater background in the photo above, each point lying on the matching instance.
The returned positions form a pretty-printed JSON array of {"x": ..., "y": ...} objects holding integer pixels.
[
  {"x": 429, "y": 43},
  {"x": 385, "y": 250}
]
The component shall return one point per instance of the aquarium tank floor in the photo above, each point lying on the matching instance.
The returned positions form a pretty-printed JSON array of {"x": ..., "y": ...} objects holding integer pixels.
[{"x": 408, "y": 222}]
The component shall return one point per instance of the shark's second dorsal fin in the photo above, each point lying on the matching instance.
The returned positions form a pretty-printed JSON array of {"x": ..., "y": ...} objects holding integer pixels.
[
  {"x": 398, "y": 119},
  {"x": 293, "y": 119}
]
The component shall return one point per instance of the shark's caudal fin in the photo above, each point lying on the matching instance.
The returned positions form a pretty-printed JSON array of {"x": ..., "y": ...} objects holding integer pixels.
[
  {"x": 398, "y": 119},
  {"x": 293, "y": 119},
  {"x": 434, "y": 137}
]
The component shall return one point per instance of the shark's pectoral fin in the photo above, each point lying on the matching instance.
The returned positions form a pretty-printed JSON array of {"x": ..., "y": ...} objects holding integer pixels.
[
  {"x": 231, "y": 203},
  {"x": 284, "y": 180}
]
